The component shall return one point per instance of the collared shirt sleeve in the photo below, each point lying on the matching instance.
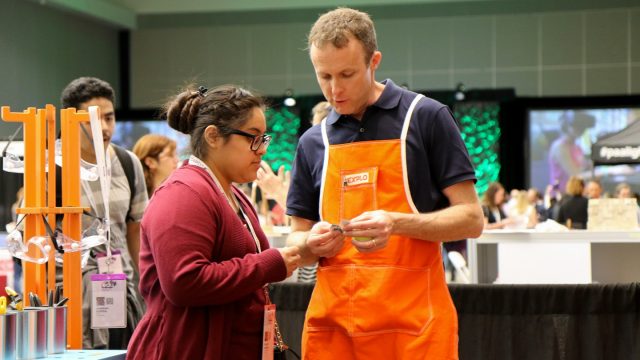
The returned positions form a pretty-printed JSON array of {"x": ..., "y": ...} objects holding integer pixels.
[
  {"x": 447, "y": 151},
  {"x": 304, "y": 191}
]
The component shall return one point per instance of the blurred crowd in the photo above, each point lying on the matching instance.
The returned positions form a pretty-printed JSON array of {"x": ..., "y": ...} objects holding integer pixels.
[{"x": 522, "y": 209}]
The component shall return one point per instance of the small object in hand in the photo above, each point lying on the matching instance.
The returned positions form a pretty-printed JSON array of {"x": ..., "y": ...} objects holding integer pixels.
[
  {"x": 362, "y": 238},
  {"x": 344, "y": 222},
  {"x": 337, "y": 228}
]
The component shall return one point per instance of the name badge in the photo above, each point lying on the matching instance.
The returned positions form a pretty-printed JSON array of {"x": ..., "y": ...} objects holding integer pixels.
[
  {"x": 108, "y": 301},
  {"x": 365, "y": 176},
  {"x": 268, "y": 331},
  {"x": 110, "y": 265}
]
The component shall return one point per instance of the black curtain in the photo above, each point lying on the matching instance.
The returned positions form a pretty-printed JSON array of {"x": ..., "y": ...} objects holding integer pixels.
[{"x": 537, "y": 322}]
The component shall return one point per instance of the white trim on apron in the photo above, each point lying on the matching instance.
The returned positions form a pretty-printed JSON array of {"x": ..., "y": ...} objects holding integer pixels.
[
  {"x": 403, "y": 151},
  {"x": 325, "y": 163}
]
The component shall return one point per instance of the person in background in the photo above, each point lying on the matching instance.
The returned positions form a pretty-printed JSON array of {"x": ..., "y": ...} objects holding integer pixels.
[
  {"x": 552, "y": 199},
  {"x": 566, "y": 158},
  {"x": 492, "y": 201},
  {"x": 573, "y": 210},
  {"x": 510, "y": 201},
  {"x": 273, "y": 186},
  {"x": 126, "y": 206},
  {"x": 593, "y": 190},
  {"x": 623, "y": 191},
  {"x": 374, "y": 218},
  {"x": 157, "y": 153},
  {"x": 522, "y": 214},
  {"x": 276, "y": 187},
  {"x": 319, "y": 112},
  {"x": 535, "y": 199},
  {"x": 204, "y": 260},
  {"x": 17, "y": 263}
]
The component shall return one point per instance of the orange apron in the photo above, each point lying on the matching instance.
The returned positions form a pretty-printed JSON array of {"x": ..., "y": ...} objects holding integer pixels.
[{"x": 390, "y": 304}]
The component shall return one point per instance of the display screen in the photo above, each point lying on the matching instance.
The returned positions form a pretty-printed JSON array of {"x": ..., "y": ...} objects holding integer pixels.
[
  {"x": 128, "y": 132},
  {"x": 560, "y": 146}
]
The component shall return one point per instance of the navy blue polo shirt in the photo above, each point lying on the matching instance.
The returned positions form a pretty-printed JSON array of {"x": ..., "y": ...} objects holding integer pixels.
[{"x": 436, "y": 155}]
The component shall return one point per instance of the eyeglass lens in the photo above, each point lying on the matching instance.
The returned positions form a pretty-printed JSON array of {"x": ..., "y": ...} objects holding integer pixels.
[{"x": 259, "y": 140}]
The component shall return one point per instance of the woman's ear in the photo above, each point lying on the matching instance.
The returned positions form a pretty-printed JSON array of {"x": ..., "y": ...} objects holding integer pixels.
[
  {"x": 211, "y": 135},
  {"x": 150, "y": 162}
]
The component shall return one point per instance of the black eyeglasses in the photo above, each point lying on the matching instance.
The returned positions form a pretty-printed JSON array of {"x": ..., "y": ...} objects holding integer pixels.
[{"x": 256, "y": 140}]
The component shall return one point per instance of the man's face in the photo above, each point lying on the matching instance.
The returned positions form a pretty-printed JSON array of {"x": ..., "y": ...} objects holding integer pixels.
[
  {"x": 107, "y": 121},
  {"x": 346, "y": 81}
]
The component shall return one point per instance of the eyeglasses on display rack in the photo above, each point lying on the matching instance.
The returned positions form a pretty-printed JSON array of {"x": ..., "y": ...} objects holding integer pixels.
[
  {"x": 26, "y": 252},
  {"x": 11, "y": 162},
  {"x": 96, "y": 234},
  {"x": 15, "y": 164}
]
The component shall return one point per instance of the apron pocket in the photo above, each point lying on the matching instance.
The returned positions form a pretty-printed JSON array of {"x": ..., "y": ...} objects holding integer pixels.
[
  {"x": 329, "y": 305},
  {"x": 358, "y": 192},
  {"x": 390, "y": 299}
]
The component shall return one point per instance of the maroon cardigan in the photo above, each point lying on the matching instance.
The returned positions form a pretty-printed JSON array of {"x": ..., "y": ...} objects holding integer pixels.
[{"x": 200, "y": 274}]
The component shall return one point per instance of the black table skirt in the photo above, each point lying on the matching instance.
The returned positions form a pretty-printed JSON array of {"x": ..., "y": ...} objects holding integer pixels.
[{"x": 582, "y": 322}]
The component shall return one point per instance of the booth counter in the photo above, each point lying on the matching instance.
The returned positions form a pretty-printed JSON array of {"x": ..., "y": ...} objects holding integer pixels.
[{"x": 566, "y": 257}]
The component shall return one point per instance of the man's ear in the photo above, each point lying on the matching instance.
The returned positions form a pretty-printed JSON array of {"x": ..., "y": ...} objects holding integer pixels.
[{"x": 376, "y": 58}]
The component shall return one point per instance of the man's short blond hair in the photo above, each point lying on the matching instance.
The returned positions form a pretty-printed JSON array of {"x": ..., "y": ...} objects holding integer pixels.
[{"x": 335, "y": 26}]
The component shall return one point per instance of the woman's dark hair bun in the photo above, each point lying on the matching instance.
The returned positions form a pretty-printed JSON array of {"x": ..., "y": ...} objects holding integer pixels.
[{"x": 182, "y": 110}]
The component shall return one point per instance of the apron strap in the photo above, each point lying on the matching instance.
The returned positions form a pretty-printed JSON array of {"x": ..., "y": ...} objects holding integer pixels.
[{"x": 403, "y": 151}]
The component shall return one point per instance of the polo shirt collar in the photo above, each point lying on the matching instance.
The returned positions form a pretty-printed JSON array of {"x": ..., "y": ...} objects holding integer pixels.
[{"x": 389, "y": 99}]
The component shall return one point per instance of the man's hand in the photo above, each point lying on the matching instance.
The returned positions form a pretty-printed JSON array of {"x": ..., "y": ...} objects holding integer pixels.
[
  {"x": 325, "y": 240},
  {"x": 291, "y": 258},
  {"x": 370, "y": 231}
]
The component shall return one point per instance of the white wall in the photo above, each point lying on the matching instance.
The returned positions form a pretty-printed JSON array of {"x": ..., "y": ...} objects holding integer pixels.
[
  {"x": 587, "y": 52},
  {"x": 42, "y": 49}
]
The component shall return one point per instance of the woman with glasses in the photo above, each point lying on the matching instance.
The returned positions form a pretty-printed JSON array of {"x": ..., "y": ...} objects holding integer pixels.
[
  {"x": 158, "y": 156},
  {"x": 204, "y": 260}
]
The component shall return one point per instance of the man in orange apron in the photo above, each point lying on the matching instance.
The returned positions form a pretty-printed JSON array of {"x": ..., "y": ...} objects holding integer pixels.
[{"x": 390, "y": 167}]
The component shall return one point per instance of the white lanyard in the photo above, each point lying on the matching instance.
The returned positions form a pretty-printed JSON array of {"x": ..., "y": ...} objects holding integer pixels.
[
  {"x": 104, "y": 170},
  {"x": 199, "y": 163},
  {"x": 89, "y": 192}
]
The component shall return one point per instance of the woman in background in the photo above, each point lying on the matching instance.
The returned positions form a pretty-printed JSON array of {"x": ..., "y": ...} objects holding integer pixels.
[
  {"x": 574, "y": 207},
  {"x": 522, "y": 214},
  {"x": 158, "y": 156},
  {"x": 492, "y": 201},
  {"x": 319, "y": 112}
]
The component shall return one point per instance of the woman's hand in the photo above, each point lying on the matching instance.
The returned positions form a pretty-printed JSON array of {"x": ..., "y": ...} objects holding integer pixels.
[{"x": 291, "y": 258}]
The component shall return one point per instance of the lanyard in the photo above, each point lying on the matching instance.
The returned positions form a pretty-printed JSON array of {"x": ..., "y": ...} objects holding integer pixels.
[
  {"x": 89, "y": 192},
  {"x": 199, "y": 163},
  {"x": 104, "y": 170}
]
